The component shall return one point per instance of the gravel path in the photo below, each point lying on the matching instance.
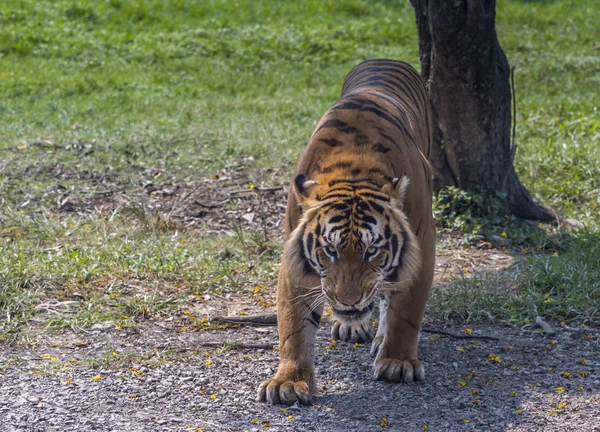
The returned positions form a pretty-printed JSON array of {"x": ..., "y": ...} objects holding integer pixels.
[{"x": 154, "y": 379}]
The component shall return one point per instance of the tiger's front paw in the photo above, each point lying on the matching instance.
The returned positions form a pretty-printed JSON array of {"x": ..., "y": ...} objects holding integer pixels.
[
  {"x": 391, "y": 369},
  {"x": 281, "y": 390},
  {"x": 352, "y": 332}
]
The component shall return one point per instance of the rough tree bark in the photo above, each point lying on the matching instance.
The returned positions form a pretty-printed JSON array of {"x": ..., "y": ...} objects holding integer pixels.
[{"x": 467, "y": 76}]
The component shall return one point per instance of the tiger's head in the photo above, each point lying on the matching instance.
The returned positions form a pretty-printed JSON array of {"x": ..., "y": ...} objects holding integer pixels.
[{"x": 355, "y": 236}]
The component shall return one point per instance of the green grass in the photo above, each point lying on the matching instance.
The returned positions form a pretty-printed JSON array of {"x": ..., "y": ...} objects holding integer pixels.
[
  {"x": 561, "y": 287},
  {"x": 98, "y": 95}
]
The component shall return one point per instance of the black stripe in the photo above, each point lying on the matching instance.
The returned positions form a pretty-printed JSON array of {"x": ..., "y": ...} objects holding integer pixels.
[
  {"x": 338, "y": 124},
  {"x": 328, "y": 197},
  {"x": 379, "y": 209},
  {"x": 361, "y": 140},
  {"x": 419, "y": 227},
  {"x": 380, "y": 148},
  {"x": 394, "y": 242},
  {"x": 314, "y": 318},
  {"x": 363, "y": 180},
  {"x": 387, "y": 232},
  {"x": 405, "y": 241},
  {"x": 332, "y": 142},
  {"x": 380, "y": 172},
  {"x": 309, "y": 243},
  {"x": 336, "y": 219},
  {"x": 370, "y": 220},
  {"x": 375, "y": 196}
]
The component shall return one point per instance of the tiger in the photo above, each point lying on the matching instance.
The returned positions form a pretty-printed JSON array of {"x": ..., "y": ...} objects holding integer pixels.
[{"x": 359, "y": 228}]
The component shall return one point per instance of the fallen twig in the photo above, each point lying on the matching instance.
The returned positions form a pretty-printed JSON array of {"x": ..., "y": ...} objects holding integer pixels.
[
  {"x": 213, "y": 205},
  {"x": 234, "y": 345},
  {"x": 458, "y": 336},
  {"x": 271, "y": 320},
  {"x": 257, "y": 189},
  {"x": 544, "y": 325},
  {"x": 255, "y": 320},
  {"x": 100, "y": 192},
  {"x": 268, "y": 188}
]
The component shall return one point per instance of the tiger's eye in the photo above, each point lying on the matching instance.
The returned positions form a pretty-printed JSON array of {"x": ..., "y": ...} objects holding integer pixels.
[
  {"x": 330, "y": 250},
  {"x": 371, "y": 250}
]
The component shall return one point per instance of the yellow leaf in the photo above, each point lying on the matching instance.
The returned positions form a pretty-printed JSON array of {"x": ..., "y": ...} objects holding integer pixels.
[
  {"x": 97, "y": 378},
  {"x": 69, "y": 381},
  {"x": 503, "y": 234},
  {"x": 468, "y": 330},
  {"x": 519, "y": 411},
  {"x": 560, "y": 389},
  {"x": 494, "y": 358}
]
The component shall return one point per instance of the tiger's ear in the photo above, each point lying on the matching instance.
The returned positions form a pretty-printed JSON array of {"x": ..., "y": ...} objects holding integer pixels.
[
  {"x": 302, "y": 188},
  {"x": 397, "y": 189}
]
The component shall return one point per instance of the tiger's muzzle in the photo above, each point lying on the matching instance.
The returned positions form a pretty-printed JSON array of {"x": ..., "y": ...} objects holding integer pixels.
[{"x": 353, "y": 314}]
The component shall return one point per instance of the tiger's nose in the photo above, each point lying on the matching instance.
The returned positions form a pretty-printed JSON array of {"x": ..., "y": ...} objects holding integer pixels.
[{"x": 348, "y": 299}]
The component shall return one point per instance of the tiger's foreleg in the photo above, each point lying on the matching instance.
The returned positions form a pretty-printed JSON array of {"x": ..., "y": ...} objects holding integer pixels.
[
  {"x": 396, "y": 344},
  {"x": 298, "y": 314}
]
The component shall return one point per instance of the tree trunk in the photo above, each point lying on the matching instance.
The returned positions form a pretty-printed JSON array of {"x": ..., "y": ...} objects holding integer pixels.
[{"x": 467, "y": 76}]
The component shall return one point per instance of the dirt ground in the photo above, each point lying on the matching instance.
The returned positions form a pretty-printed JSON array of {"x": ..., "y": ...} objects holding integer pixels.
[{"x": 163, "y": 378}]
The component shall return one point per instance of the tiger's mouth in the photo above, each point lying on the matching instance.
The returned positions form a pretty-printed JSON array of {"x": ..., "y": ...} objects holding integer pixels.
[{"x": 353, "y": 314}]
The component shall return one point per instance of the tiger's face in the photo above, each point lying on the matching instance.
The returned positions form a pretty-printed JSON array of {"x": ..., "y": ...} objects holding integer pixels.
[{"x": 357, "y": 239}]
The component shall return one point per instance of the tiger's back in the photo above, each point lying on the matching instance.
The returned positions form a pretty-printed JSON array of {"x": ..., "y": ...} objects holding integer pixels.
[{"x": 380, "y": 127}]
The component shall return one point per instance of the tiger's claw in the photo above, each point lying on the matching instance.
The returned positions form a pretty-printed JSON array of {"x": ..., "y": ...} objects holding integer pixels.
[{"x": 283, "y": 391}]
